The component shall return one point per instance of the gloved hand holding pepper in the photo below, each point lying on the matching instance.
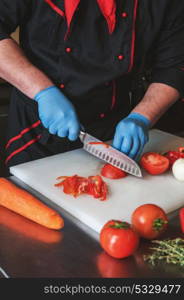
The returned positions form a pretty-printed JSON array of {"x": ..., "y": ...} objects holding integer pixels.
[
  {"x": 132, "y": 134},
  {"x": 57, "y": 113}
]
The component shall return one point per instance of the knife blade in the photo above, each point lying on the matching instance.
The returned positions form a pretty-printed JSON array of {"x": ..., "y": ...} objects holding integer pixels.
[{"x": 109, "y": 154}]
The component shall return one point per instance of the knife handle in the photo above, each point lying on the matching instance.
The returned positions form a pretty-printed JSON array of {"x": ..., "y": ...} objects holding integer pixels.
[{"x": 82, "y": 135}]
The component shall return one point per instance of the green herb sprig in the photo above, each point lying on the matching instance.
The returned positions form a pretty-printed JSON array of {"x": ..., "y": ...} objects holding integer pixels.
[{"x": 170, "y": 251}]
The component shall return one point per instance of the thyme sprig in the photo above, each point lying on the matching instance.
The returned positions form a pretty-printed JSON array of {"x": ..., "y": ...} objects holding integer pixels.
[{"x": 170, "y": 250}]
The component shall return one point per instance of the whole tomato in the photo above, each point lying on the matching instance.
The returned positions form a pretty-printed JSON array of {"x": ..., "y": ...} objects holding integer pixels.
[
  {"x": 118, "y": 239},
  {"x": 149, "y": 221}
]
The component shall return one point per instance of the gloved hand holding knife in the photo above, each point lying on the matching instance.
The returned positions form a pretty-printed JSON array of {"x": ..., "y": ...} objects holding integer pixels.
[
  {"x": 132, "y": 134},
  {"x": 57, "y": 113}
]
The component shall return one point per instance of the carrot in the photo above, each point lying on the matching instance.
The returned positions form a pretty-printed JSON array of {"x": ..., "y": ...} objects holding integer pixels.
[
  {"x": 27, "y": 205},
  {"x": 28, "y": 228}
]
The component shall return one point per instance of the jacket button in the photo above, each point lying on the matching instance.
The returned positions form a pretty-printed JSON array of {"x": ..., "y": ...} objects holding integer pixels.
[
  {"x": 62, "y": 86},
  {"x": 124, "y": 14},
  {"x": 68, "y": 50},
  {"x": 120, "y": 57}
]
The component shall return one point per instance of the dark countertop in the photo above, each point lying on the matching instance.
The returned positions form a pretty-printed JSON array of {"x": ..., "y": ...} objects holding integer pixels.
[{"x": 30, "y": 250}]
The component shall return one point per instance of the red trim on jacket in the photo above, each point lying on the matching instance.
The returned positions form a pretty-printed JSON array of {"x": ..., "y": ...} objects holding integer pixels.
[
  {"x": 133, "y": 36},
  {"x": 22, "y": 133},
  {"x": 56, "y": 8},
  {"x": 113, "y": 94},
  {"x": 22, "y": 148}
]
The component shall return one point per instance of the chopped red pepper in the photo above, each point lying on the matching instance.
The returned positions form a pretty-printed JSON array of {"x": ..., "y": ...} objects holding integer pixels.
[
  {"x": 181, "y": 150},
  {"x": 99, "y": 143},
  {"x": 181, "y": 214},
  {"x": 76, "y": 185},
  {"x": 174, "y": 155},
  {"x": 73, "y": 185},
  {"x": 97, "y": 187}
]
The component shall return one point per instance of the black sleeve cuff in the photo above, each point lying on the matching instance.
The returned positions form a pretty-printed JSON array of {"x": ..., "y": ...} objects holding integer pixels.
[
  {"x": 170, "y": 76},
  {"x": 4, "y": 34}
]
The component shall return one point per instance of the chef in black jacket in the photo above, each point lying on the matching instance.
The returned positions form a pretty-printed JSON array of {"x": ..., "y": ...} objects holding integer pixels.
[{"x": 75, "y": 66}]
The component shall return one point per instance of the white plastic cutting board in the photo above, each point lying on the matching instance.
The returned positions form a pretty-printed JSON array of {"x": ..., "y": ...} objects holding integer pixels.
[{"x": 124, "y": 194}]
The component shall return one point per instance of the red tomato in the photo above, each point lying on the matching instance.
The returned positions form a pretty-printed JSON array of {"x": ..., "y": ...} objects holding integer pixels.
[
  {"x": 112, "y": 172},
  {"x": 118, "y": 239},
  {"x": 154, "y": 163},
  {"x": 149, "y": 221}
]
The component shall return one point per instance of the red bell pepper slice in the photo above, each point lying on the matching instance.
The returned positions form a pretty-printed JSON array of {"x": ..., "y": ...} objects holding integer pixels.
[
  {"x": 181, "y": 150},
  {"x": 76, "y": 185},
  {"x": 172, "y": 156},
  {"x": 181, "y": 214},
  {"x": 73, "y": 185},
  {"x": 97, "y": 187}
]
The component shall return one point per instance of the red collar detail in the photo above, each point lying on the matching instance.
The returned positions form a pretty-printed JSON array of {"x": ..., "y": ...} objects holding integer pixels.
[
  {"x": 70, "y": 8},
  {"x": 107, "y": 7}
]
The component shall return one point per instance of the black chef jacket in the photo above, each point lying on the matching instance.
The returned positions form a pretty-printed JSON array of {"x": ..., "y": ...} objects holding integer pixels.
[{"x": 92, "y": 50}]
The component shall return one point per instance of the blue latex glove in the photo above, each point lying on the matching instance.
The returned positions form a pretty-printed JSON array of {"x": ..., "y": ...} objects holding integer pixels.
[
  {"x": 131, "y": 135},
  {"x": 57, "y": 113}
]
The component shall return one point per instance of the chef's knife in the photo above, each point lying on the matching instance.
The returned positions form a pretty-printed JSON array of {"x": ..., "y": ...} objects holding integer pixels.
[{"x": 109, "y": 154}]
